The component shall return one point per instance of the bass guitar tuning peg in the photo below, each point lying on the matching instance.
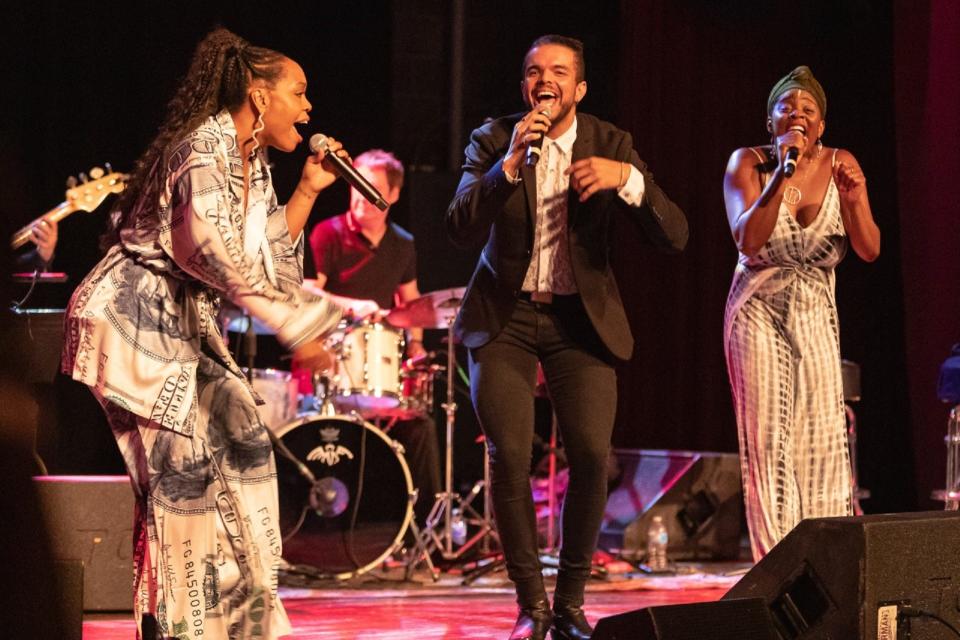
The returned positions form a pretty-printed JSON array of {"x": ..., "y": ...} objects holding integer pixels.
[
  {"x": 83, "y": 177},
  {"x": 109, "y": 167},
  {"x": 96, "y": 173},
  {"x": 71, "y": 182}
]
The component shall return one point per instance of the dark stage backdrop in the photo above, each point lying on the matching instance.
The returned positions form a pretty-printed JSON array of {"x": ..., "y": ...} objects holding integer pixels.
[
  {"x": 689, "y": 78},
  {"x": 91, "y": 83}
]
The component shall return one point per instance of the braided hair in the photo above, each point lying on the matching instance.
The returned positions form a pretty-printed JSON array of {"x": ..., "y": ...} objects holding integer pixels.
[{"x": 223, "y": 67}]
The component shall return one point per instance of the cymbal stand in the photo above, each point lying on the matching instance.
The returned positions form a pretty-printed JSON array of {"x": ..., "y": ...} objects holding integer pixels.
[
  {"x": 444, "y": 530},
  {"x": 551, "y": 541}
]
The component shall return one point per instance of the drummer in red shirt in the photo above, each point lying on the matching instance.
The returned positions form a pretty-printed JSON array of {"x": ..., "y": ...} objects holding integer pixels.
[{"x": 368, "y": 264}]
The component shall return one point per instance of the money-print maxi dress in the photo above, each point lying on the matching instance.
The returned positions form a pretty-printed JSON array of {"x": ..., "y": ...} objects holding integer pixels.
[
  {"x": 141, "y": 332},
  {"x": 782, "y": 343}
]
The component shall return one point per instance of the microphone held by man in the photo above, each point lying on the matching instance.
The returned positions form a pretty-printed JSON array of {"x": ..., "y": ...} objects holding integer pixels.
[
  {"x": 535, "y": 148},
  {"x": 318, "y": 142}
]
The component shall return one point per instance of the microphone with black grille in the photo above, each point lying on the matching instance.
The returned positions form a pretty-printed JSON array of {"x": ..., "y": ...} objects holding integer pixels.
[
  {"x": 535, "y": 148},
  {"x": 318, "y": 142},
  {"x": 790, "y": 161}
]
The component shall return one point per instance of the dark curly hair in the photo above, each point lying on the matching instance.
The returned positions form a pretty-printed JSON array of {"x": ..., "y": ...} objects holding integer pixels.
[{"x": 223, "y": 66}]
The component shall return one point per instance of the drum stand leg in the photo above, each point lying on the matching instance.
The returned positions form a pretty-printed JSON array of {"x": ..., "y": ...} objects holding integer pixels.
[{"x": 419, "y": 553}]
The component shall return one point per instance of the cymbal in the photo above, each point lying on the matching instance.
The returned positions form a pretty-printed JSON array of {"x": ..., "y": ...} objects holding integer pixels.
[{"x": 434, "y": 310}]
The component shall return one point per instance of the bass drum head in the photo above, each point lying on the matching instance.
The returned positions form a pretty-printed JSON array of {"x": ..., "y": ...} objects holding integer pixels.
[{"x": 359, "y": 507}]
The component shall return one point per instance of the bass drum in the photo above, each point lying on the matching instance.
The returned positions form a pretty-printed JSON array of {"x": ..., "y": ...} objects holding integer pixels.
[{"x": 354, "y": 511}]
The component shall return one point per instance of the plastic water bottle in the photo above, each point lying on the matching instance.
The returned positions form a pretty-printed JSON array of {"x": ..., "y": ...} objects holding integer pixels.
[
  {"x": 458, "y": 528},
  {"x": 657, "y": 541}
]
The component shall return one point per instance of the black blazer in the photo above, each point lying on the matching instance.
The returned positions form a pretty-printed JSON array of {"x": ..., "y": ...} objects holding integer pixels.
[{"x": 487, "y": 206}]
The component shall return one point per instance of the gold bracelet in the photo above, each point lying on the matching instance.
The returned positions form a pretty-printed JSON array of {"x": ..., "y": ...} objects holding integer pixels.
[{"x": 305, "y": 192}]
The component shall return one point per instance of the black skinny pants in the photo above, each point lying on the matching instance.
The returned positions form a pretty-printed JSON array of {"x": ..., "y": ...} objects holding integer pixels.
[{"x": 583, "y": 389}]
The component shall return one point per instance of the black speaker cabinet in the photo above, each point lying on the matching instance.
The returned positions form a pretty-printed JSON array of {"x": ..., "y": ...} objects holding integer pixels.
[
  {"x": 849, "y": 578},
  {"x": 90, "y": 519},
  {"x": 69, "y": 577},
  {"x": 698, "y": 494},
  {"x": 743, "y": 619},
  {"x": 69, "y": 429}
]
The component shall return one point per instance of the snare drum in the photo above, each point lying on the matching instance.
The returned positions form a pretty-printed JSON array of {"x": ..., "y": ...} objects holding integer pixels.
[
  {"x": 280, "y": 392},
  {"x": 367, "y": 378},
  {"x": 416, "y": 399},
  {"x": 354, "y": 511}
]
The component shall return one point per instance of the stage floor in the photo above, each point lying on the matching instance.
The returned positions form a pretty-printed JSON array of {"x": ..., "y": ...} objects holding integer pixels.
[{"x": 381, "y": 605}]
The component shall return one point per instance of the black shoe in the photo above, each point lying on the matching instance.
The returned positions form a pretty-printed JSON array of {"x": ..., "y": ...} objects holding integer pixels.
[
  {"x": 533, "y": 622},
  {"x": 569, "y": 623}
]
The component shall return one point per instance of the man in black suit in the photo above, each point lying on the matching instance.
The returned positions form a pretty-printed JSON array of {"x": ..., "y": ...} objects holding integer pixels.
[{"x": 543, "y": 290}]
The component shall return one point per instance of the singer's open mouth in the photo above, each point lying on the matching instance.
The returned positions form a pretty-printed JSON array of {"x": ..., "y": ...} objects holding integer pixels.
[
  {"x": 799, "y": 128},
  {"x": 298, "y": 126},
  {"x": 545, "y": 95}
]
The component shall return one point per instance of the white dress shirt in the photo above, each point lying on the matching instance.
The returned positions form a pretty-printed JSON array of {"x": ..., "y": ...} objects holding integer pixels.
[{"x": 550, "y": 270}]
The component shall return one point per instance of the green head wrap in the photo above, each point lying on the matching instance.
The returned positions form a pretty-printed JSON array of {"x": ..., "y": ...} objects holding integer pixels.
[{"x": 799, "y": 78}]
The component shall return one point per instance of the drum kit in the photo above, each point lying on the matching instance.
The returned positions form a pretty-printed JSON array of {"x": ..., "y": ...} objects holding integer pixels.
[{"x": 346, "y": 492}]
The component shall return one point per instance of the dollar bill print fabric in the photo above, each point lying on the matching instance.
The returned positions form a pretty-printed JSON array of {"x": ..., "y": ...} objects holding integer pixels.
[{"x": 141, "y": 331}]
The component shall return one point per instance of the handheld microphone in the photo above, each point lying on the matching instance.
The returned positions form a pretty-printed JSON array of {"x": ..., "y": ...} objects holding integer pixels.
[
  {"x": 318, "y": 142},
  {"x": 790, "y": 161},
  {"x": 535, "y": 148}
]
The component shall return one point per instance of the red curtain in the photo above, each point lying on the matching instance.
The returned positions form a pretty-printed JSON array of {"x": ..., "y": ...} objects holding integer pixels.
[
  {"x": 927, "y": 72},
  {"x": 693, "y": 81}
]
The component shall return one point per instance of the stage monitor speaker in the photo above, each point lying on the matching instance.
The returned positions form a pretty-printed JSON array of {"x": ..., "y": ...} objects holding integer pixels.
[
  {"x": 698, "y": 494},
  {"x": 90, "y": 519},
  {"x": 742, "y": 619},
  {"x": 867, "y": 577}
]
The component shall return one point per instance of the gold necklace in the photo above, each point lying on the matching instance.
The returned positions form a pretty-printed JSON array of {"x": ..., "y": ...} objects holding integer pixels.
[{"x": 792, "y": 194}]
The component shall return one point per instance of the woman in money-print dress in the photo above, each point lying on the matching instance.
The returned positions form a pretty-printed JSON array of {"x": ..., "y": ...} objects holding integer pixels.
[
  {"x": 781, "y": 333},
  {"x": 199, "y": 221}
]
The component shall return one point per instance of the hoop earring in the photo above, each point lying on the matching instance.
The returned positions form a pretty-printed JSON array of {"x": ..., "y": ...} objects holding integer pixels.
[
  {"x": 819, "y": 147},
  {"x": 257, "y": 128}
]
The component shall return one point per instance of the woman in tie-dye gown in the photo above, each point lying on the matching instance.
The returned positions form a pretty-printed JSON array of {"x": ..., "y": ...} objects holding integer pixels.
[
  {"x": 781, "y": 333},
  {"x": 198, "y": 222}
]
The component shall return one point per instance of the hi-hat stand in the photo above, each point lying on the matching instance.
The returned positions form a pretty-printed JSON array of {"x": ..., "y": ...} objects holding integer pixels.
[{"x": 453, "y": 515}]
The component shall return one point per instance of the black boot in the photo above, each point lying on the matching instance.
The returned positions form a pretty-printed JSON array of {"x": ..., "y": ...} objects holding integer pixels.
[
  {"x": 533, "y": 621},
  {"x": 569, "y": 622}
]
